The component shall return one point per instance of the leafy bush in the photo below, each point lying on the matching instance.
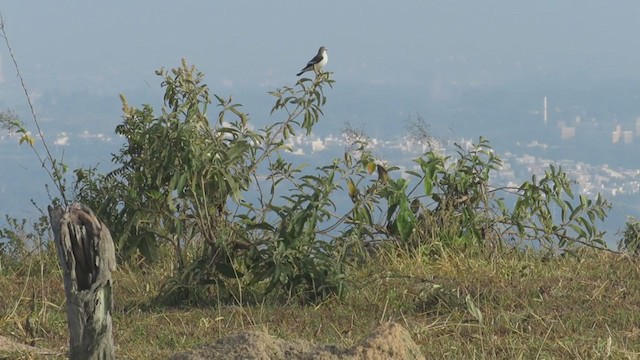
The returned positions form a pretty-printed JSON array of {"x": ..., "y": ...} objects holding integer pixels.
[
  {"x": 630, "y": 240},
  {"x": 177, "y": 174},
  {"x": 184, "y": 181},
  {"x": 465, "y": 208},
  {"x": 23, "y": 239}
]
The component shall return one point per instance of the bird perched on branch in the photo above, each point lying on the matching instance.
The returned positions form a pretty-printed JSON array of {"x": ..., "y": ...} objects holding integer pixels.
[{"x": 317, "y": 63}]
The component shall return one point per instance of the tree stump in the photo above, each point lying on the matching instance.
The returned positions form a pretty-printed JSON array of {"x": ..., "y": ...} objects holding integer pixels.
[{"x": 87, "y": 257}]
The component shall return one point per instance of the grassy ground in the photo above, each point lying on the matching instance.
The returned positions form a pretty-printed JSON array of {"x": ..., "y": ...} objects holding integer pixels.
[{"x": 508, "y": 305}]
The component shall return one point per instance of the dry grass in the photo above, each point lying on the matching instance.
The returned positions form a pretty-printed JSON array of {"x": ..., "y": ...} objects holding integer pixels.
[{"x": 530, "y": 306}]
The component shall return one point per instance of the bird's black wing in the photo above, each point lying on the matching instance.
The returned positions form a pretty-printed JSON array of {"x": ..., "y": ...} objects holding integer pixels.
[{"x": 316, "y": 59}]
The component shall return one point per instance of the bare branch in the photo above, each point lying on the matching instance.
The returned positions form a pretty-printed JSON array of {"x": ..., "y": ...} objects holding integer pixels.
[{"x": 52, "y": 172}]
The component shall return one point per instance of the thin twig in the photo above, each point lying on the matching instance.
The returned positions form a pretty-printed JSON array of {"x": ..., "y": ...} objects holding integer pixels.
[{"x": 53, "y": 175}]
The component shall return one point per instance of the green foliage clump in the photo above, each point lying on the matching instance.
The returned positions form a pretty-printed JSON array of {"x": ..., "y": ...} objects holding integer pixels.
[
  {"x": 178, "y": 174},
  {"x": 630, "y": 240},
  {"x": 23, "y": 240},
  {"x": 467, "y": 208},
  {"x": 184, "y": 181}
]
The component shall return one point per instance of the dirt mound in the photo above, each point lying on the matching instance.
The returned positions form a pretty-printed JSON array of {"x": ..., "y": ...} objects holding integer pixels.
[{"x": 389, "y": 341}]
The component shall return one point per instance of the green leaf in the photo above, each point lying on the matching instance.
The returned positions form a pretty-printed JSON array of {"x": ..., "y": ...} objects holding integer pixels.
[
  {"x": 581, "y": 233},
  {"x": 405, "y": 221},
  {"x": 28, "y": 139},
  {"x": 371, "y": 167},
  {"x": 473, "y": 310},
  {"x": 576, "y": 212},
  {"x": 584, "y": 201},
  {"x": 428, "y": 186},
  {"x": 174, "y": 180},
  {"x": 181, "y": 183},
  {"x": 170, "y": 203},
  {"x": 352, "y": 190}
]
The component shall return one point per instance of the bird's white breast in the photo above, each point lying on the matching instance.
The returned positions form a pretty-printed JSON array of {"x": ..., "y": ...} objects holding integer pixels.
[{"x": 322, "y": 62}]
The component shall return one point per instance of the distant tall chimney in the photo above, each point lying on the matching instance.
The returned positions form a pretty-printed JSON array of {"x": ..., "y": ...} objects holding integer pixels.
[
  {"x": 545, "y": 110},
  {"x": 1, "y": 70}
]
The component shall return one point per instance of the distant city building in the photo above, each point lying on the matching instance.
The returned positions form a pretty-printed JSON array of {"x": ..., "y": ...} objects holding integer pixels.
[
  {"x": 567, "y": 132},
  {"x": 617, "y": 134}
]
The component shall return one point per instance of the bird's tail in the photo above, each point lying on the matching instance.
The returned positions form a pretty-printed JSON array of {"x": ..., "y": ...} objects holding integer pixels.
[{"x": 300, "y": 73}]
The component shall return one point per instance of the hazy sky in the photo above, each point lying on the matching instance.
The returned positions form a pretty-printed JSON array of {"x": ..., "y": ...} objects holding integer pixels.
[
  {"x": 115, "y": 45},
  {"x": 379, "y": 50}
]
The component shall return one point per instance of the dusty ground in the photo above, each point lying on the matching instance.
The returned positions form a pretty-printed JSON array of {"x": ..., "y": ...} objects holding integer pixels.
[
  {"x": 15, "y": 349},
  {"x": 389, "y": 341}
]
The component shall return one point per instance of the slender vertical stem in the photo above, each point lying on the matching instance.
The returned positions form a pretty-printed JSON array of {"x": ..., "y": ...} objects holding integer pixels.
[{"x": 53, "y": 173}]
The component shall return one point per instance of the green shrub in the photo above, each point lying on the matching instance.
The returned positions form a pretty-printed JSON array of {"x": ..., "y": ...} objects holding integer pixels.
[
  {"x": 182, "y": 181},
  {"x": 465, "y": 208},
  {"x": 630, "y": 240}
]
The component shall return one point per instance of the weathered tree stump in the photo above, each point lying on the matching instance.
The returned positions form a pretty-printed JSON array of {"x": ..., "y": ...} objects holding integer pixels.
[{"x": 87, "y": 256}]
